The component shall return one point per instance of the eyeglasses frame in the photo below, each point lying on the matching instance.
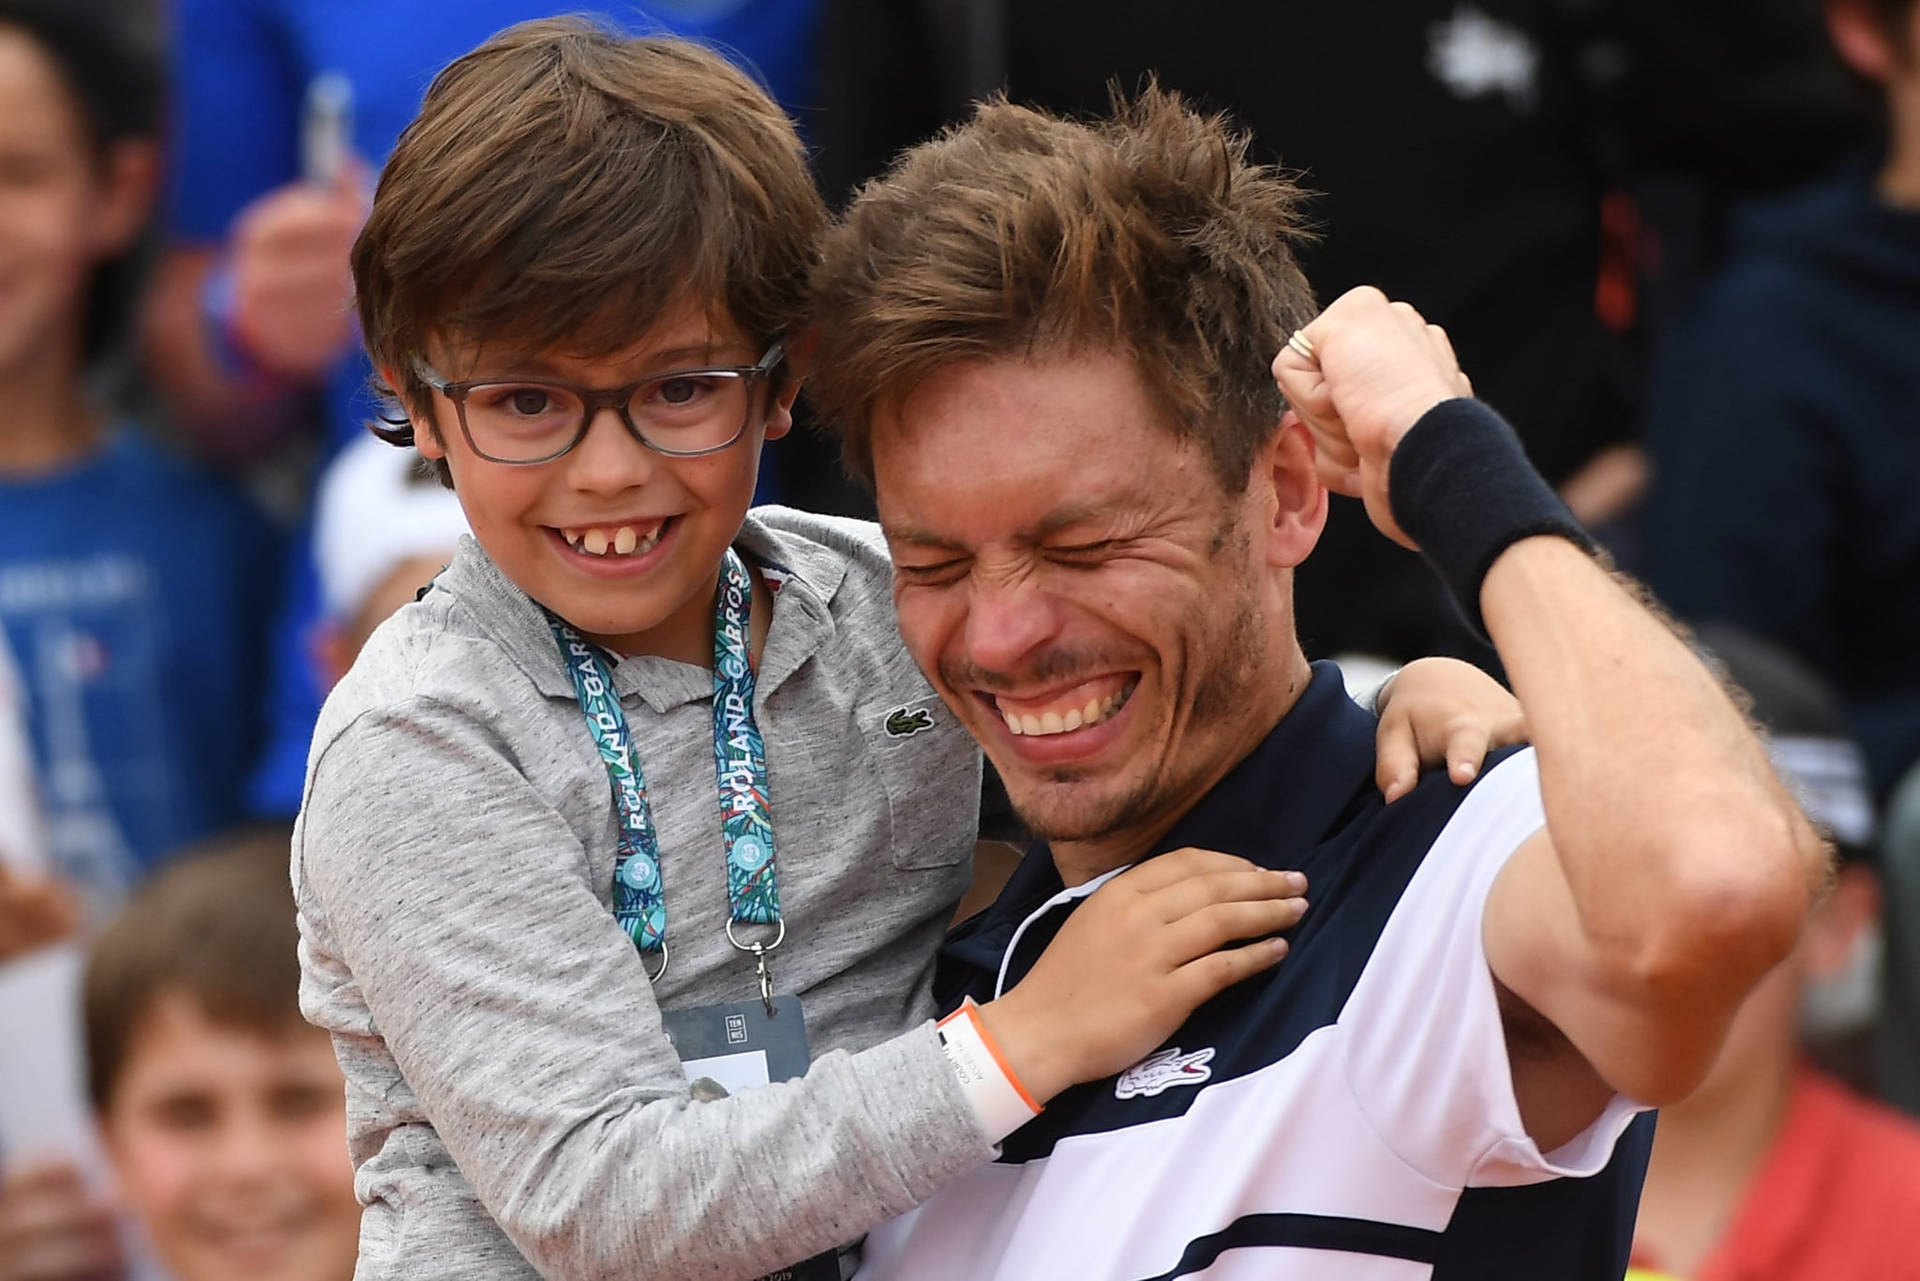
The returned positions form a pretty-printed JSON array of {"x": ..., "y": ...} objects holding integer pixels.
[{"x": 596, "y": 399}]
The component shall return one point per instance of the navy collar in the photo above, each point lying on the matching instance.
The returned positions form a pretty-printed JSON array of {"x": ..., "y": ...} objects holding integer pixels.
[
  {"x": 1273, "y": 807},
  {"x": 1281, "y": 800}
]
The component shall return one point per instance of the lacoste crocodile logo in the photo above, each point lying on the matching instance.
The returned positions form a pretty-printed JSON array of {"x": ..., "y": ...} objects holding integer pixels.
[
  {"x": 905, "y": 722},
  {"x": 1158, "y": 1073}
]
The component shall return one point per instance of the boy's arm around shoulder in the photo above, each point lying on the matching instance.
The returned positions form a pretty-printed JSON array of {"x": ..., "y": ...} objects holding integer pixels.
[{"x": 520, "y": 1015}]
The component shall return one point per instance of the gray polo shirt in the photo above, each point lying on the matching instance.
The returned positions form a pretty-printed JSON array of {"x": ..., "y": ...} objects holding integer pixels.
[{"x": 510, "y": 1091}]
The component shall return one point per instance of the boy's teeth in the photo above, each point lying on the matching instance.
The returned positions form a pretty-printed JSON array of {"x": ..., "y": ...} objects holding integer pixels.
[{"x": 623, "y": 540}]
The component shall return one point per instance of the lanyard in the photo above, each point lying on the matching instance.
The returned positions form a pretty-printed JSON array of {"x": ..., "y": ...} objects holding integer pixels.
[{"x": 740, "y": 766}]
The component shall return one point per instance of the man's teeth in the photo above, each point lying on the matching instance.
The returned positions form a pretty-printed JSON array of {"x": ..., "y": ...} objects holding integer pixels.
[
  {"x": 1050, "y": 722},
  {"x": 623, "y": 540}
]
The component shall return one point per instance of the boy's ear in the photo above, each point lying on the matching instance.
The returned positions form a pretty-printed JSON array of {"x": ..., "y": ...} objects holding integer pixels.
[
  {"x": 780, "y": 411},
  {"x": 426, "y": 439},
  {"x": 426, "y": 433},
  {"x": 129, "y": 183}
]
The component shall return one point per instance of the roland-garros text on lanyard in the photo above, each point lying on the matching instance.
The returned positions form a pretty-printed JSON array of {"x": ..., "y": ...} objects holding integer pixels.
[{"x": 740, "y": 765}]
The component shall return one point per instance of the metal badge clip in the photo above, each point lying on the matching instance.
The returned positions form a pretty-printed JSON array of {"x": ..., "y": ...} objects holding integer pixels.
[{"x": 761, "y": 967}]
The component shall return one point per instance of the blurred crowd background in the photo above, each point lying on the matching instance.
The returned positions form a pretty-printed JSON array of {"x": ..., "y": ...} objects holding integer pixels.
[{"x": 1676, "y": 242}]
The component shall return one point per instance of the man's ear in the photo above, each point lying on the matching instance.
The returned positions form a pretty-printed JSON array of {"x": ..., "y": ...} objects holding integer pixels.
[
  {"x": 1290, "y": 493},
  {"x": 1861, "y": 40}
]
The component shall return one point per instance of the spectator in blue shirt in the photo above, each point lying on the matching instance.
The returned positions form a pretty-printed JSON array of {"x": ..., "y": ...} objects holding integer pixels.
[{"x": 131, "y": 585}]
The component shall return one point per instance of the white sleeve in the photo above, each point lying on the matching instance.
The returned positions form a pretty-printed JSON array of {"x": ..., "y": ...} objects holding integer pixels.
[{"x": 1425, "y": 1046}]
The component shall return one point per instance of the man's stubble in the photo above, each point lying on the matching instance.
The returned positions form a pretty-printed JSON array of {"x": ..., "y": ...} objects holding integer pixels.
[{"x": 1226, "y": 663}]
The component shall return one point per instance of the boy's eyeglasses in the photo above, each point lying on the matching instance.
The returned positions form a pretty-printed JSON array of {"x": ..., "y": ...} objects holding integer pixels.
[{"x": 684, "y": 412}]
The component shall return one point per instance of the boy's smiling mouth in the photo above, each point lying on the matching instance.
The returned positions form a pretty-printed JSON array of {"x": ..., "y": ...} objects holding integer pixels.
[{"x": 627, "y": 538}]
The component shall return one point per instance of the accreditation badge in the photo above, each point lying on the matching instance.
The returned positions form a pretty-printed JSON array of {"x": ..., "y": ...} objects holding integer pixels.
[
  {"x": 740, "y": 1046},
  {"x": 725, "y": 1049}
]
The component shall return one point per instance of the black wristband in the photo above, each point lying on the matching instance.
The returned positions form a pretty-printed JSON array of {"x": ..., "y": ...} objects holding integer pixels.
[{"x": 1461, "y": 487}]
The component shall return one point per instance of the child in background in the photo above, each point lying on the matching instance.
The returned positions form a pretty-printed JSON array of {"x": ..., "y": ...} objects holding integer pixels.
[
  {"x": 383, "y": 526},
  {"x": 222, "y": 1109},
  {"x": 582, "y": 270},
  {"x": 132, "y": 588}
]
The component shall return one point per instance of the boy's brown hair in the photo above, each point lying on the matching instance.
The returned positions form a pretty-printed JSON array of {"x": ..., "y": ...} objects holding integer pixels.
[
  {"x": 216, "y": 924},
  {"x": 1148, "y": 232},
  {"x": 564, "y": 185}
]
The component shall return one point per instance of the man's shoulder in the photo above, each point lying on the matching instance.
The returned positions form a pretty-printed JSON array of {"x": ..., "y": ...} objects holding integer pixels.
[
  {"x": 1450, "y": 842},
  {"x": 1505, "y": 791},
  {"x": 1414, "y": 879},
  {"x": 1436, "y": 816}
]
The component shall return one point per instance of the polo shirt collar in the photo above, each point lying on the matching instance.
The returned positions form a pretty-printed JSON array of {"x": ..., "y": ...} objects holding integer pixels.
[
  {"x": 802, "y": 576},
  {"x": 1273, "y": 807},
  {"x": 1283, "y": 797}
]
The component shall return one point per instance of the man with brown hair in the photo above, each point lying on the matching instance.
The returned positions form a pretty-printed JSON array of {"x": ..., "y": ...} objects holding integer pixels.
[{"x": 1049, "y": 343}]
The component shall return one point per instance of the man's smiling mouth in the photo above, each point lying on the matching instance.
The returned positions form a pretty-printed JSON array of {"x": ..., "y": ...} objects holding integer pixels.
[{"x": 1080, "y": 706}]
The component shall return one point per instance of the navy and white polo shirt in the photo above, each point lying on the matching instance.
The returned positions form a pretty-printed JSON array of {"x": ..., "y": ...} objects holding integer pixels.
[{"x": 1347, "y": 1116}]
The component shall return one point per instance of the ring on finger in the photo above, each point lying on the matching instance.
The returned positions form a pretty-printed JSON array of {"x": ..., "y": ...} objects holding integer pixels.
[{"x": 1299, "y": 341}]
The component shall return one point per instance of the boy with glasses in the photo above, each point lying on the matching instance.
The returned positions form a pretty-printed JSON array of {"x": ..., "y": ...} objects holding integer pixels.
[{"x": 580, "y": 268}]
